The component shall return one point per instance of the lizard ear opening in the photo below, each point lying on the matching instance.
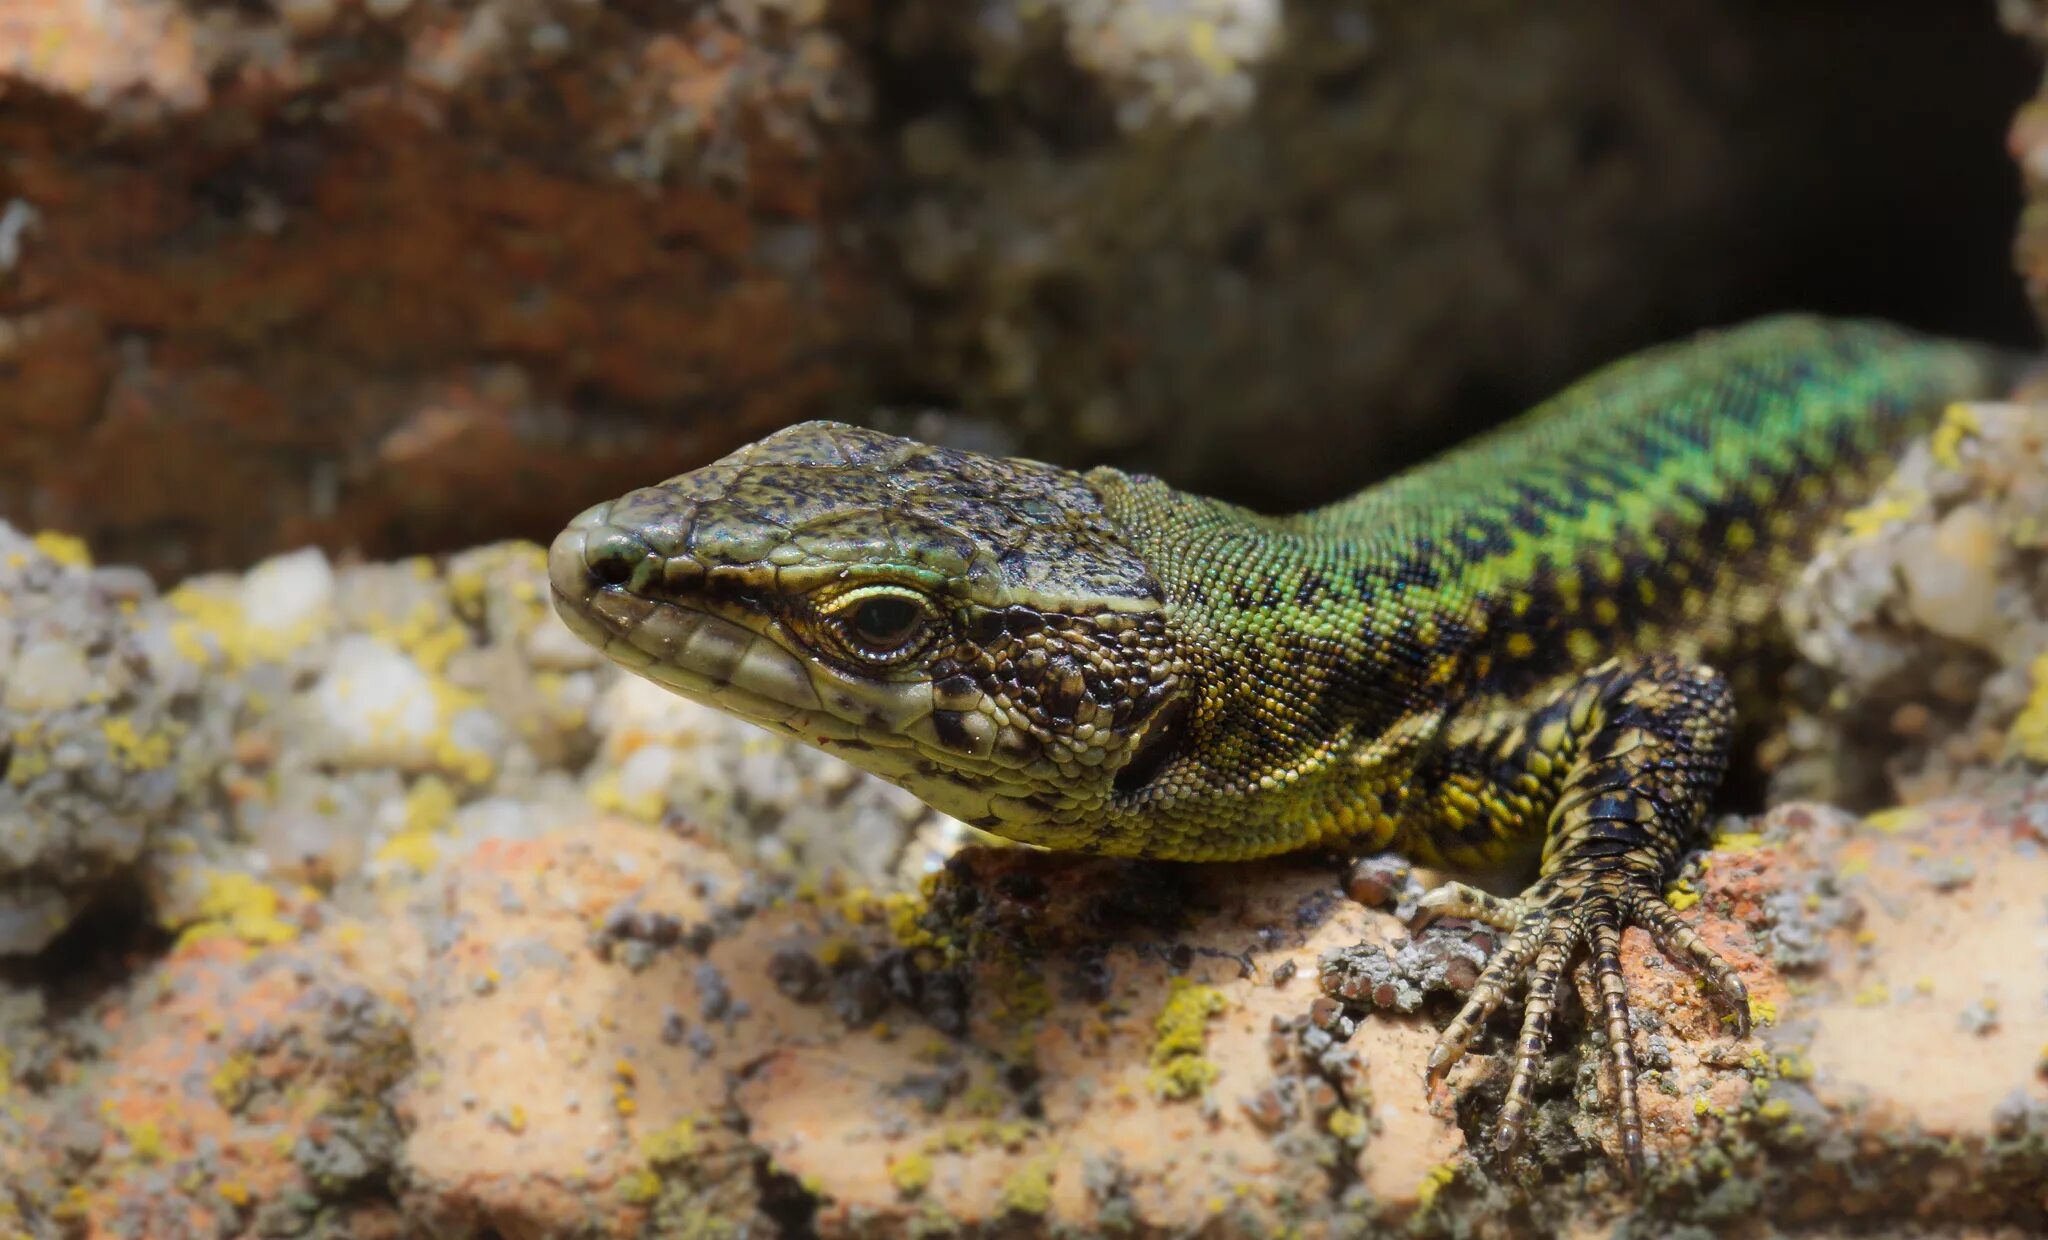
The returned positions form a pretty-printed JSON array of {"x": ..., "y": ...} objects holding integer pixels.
[{"x": 1160, "y": 745}]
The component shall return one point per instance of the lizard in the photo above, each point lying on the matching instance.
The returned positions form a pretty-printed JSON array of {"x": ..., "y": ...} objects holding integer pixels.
[{"x": 1517, "y": 653}]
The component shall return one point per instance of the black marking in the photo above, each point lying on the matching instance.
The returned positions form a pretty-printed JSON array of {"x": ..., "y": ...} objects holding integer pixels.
[
  {"x": 1164, "y": 738},
  {"x": 951, "y": 732}
]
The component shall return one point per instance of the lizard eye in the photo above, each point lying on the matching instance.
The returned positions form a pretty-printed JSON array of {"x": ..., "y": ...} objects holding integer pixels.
[{"x": 885, "y": 624}]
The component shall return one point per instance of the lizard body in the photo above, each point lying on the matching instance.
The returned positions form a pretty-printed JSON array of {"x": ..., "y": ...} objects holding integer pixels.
[{"x": 1510, "y": 652}]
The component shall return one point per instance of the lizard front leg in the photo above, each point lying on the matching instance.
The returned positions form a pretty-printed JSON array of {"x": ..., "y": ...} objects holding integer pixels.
[{"x": 1634, "y": 751}]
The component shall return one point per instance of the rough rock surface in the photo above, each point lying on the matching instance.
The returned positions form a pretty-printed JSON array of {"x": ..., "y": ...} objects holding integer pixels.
[
  {"x": 1922, "y": 624},
  {"x": 617, "y": 1031},
  {"x": 355, "y": 728},
  {"x": 401, "y": 274}
]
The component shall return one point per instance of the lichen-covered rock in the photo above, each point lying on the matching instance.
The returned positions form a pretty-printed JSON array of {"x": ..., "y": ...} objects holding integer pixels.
[
  {"x": 237, "y": 1088},
  {"x": 1922, "y": 623},
  {"x": 358, "y": 727},
  {"x": 98, "y": 749},
  {"x": 619, "y": 1032}
]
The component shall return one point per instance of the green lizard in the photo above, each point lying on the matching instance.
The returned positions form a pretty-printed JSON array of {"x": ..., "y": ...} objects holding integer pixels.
[{"x": 1508, "y": 654}]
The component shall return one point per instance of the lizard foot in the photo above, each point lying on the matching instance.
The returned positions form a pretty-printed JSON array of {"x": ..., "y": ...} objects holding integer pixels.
[{"x": 1546, "y": 927}]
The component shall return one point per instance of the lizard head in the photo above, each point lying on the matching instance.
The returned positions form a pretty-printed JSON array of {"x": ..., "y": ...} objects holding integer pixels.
[{"x": 970, "y": 628}]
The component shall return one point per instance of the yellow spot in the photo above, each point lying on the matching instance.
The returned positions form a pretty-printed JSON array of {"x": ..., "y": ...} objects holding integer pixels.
[
  {"x": 134, "y": 751},
  {"x": 1347, "y": 1125},
  {"x": 66, "y": 549},
  {"x": 1203, "y": 43},
  {"x": 640, "y": 1187},
  {"x": 1738, "y": 842},
  {"x": 241, "y": 906},
  {"x": 146, "y": 1139},
  {"x": 1776, "y": 1111},
  {"x": 1584, "y": 646},
  {"x": 429, "y": 807},
  {"x": 1741, "y": 536},
  {"x": 231, "y": 1081},
  {"x": 911, "y": 1173},
  {"x": 1605, "y": 612},
  {"x": 2029, "y": 735},
  {"x": 1181, "y": 1034},
  {"x": 674, "y": 1145},
  {"x": 1521, "y": 645},
  {"x": 1762, "y": 1011},
  {"x": 234, "y": 1192},
  {"x": 1646, "y": 590},
  {"x": 1893, "y": 821},
  {"x": 1434, "y": 1181},
  {"x": 1873, "y": 995},
  {"x": 1029, "y": 1188},
  {"x": 1958, "y": 422},
  {"x": 1873, "y": 517}
]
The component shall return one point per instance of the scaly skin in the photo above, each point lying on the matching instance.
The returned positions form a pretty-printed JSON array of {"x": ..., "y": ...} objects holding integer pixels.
[{"x": 1507, "y": 653}]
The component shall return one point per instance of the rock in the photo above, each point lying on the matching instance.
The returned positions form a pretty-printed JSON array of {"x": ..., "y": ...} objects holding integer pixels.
[
  {"x": 1925, "y": 609},
  {"x": 596, "y": 1032},
  {"x": 96, "y": 753},
  {"x": 234, "y": 1093}
]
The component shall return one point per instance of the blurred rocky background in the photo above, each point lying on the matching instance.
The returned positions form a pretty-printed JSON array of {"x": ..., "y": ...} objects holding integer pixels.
[{"x": 402, "y": 275}]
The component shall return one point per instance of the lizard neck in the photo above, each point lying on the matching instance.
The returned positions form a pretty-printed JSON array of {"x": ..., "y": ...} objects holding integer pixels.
[{"x": 1317, "y": 660}]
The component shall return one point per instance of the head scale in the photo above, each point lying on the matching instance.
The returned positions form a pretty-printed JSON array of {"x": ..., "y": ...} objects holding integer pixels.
[{"x": 971, "y": 628}]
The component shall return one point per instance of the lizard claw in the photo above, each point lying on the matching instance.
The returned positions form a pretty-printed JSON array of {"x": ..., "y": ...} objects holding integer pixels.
[{"x": 1561, "y": 914}]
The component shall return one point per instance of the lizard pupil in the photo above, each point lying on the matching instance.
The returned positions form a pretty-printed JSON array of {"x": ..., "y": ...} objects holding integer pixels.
[{"x": 886, "y": 622}]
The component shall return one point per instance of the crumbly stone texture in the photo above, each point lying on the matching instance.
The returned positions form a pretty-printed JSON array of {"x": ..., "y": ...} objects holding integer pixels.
[
  {"x": 1922, "y": 623},
  {"x": 615, "y": 1031},
  {"x": 355, "y": 728},
  {"x": 103, "y": 741}
]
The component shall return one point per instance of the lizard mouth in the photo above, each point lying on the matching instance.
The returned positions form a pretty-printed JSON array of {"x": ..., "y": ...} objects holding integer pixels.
[
  {"x": 621, "y": 595},
  {"x": 689, "y": 649}
]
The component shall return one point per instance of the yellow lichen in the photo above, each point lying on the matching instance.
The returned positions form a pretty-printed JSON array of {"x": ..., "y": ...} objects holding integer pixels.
[
  {"x": 1738, "y": 842},
  {"x": 677, "y": 1143},
  {"x": 1347, "y": 1125},
  {"x": 66, "y": 549},
  {"x": 1873, "y": 517},
  {"x": 145, "y": 1139},
  {"x": 1893, "y": 821},
  {"x": 2029, "y": 735},
  {"x": 133, "y": 750},
  {"x": 911, "y": 1173},
  {"x": 233, "y": 1081},
  {"x": 1029, "y": 1188},
  {"x": 241, "y": 906},
  {"x": 1434, "y": 1181},
  {"x": 1180, "y": 1035},
  {"x": 429, "y": 807},
  {"x": 640, "y": 1187},
  {"x": 1958, "y": 422}
]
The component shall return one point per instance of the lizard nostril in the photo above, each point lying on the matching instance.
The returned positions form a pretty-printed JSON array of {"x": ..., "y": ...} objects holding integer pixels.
[{"x": 614, "y": 556}]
